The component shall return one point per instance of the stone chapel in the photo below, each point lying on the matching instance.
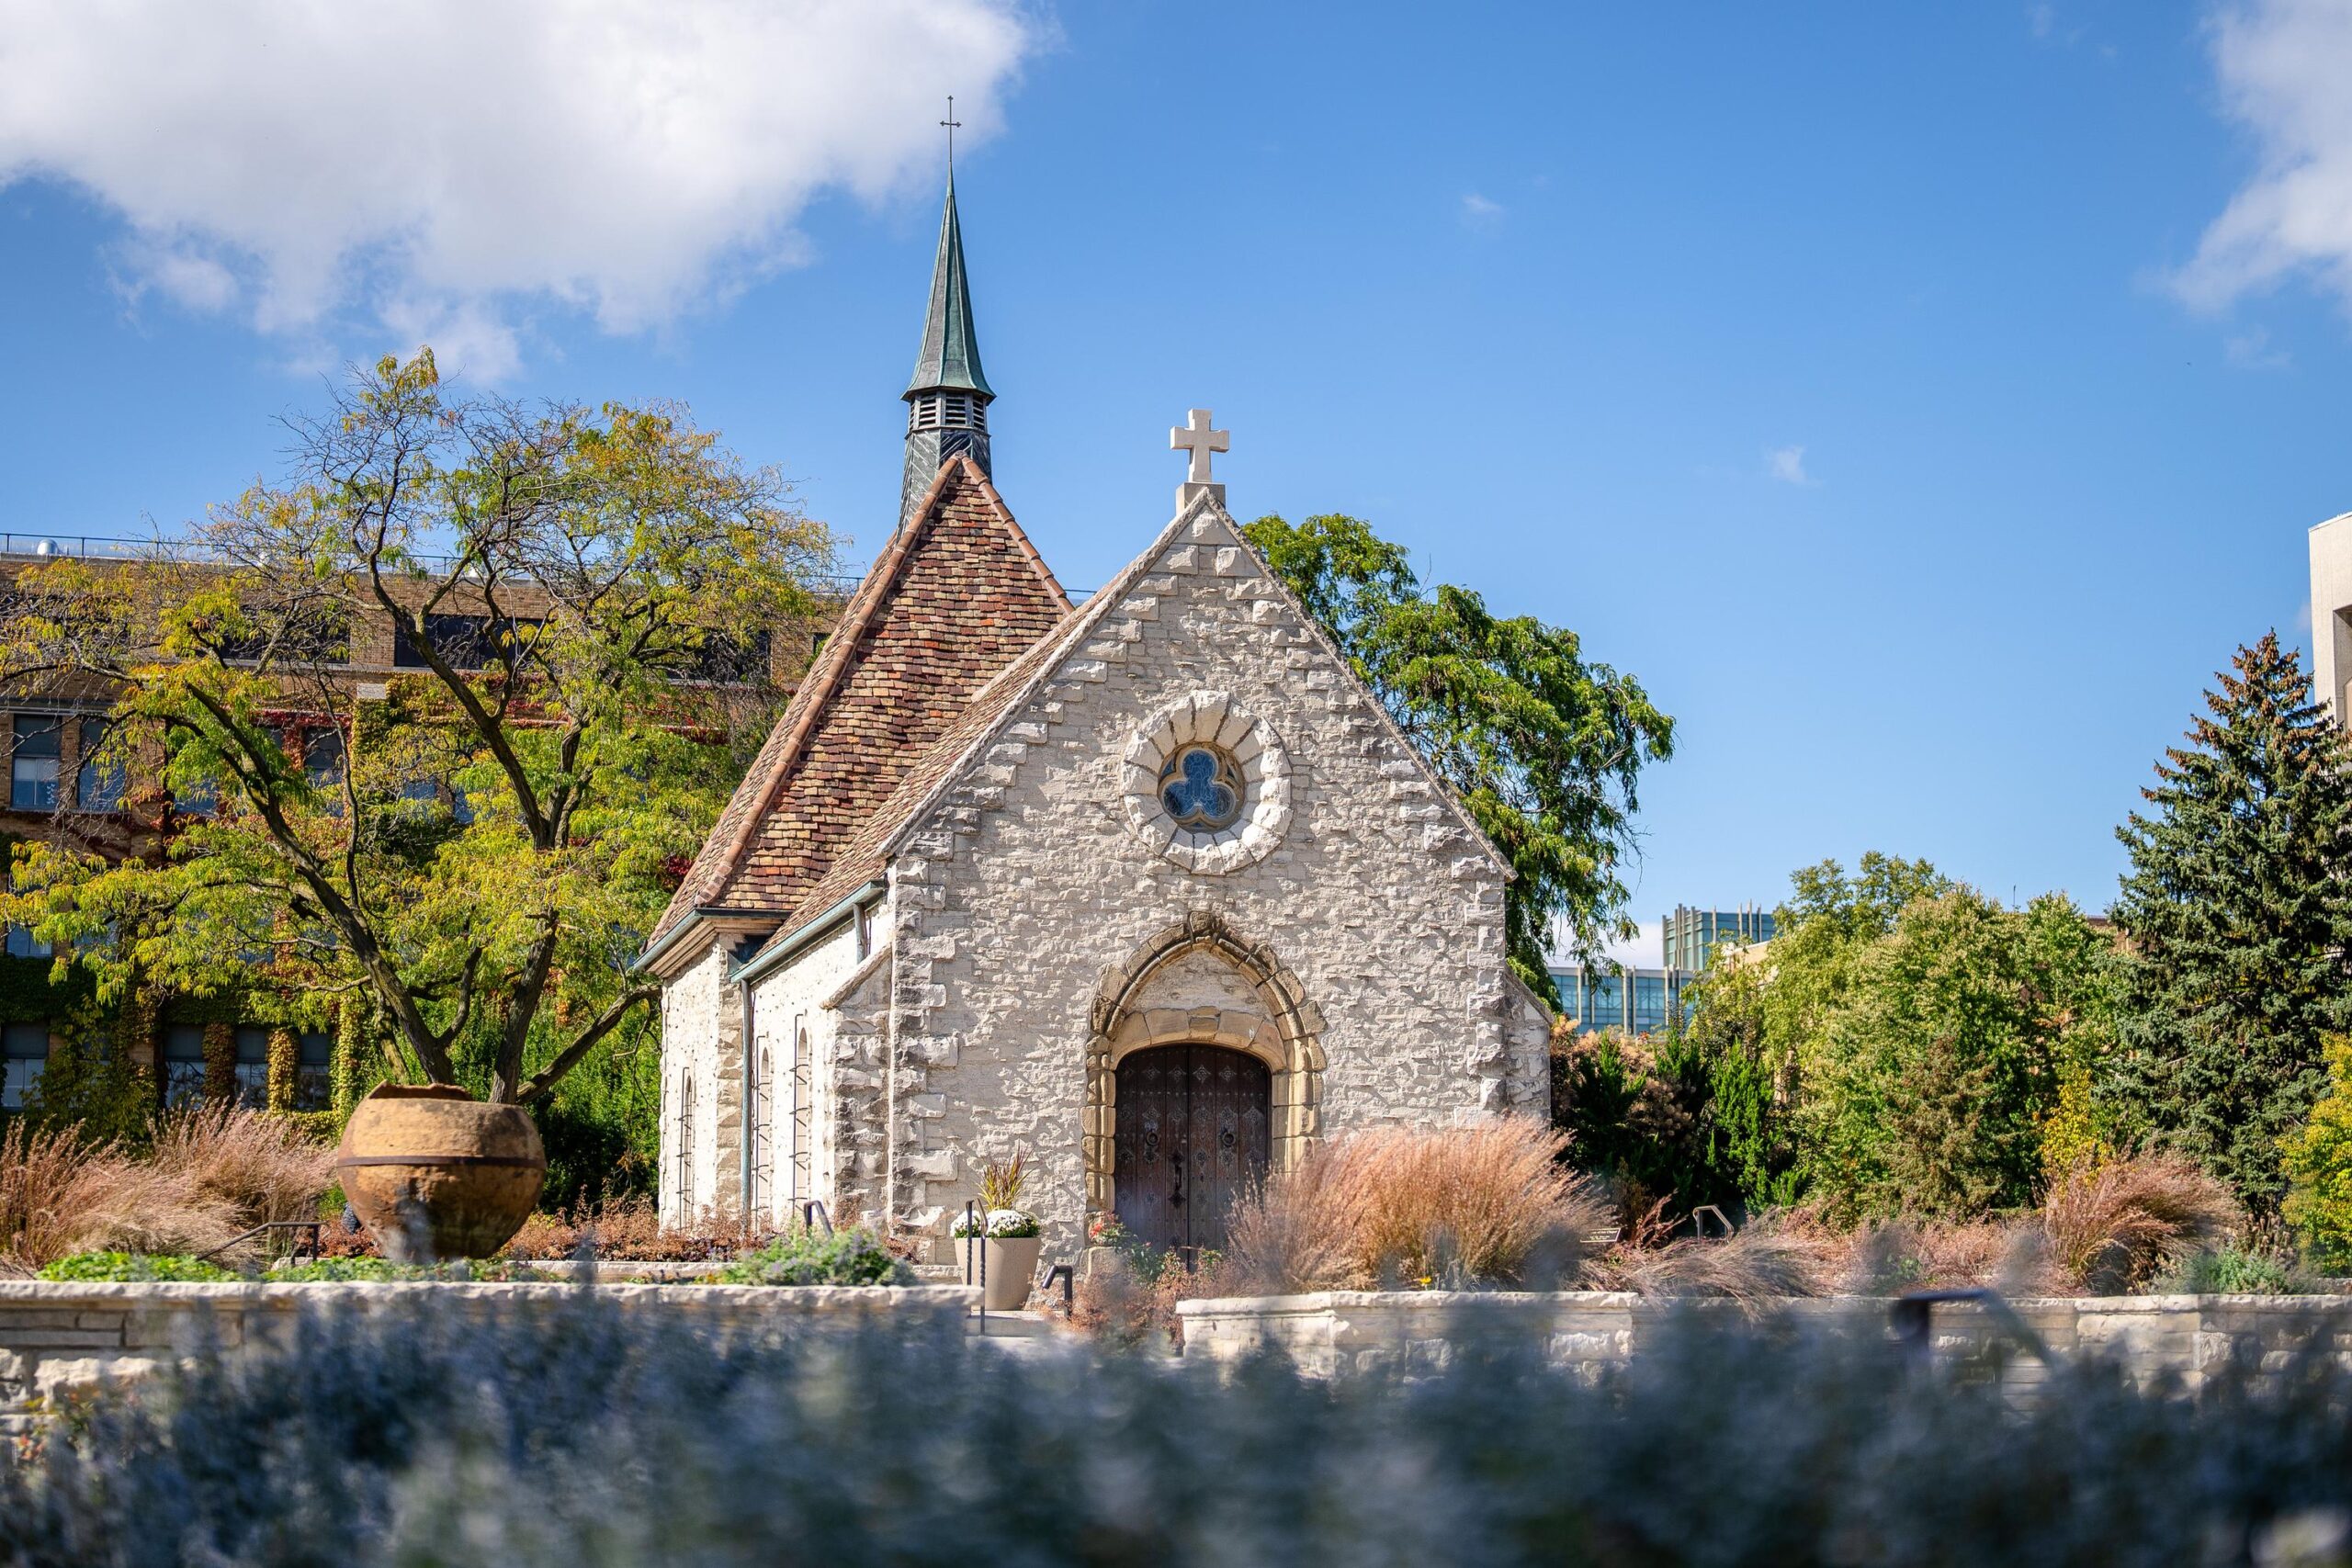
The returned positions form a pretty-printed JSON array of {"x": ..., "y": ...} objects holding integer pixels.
[{"x": 1149, "y": 888}]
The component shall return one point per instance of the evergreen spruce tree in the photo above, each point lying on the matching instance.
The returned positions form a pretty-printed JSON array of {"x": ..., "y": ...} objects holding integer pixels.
[{"x": 2237, "y": 914}]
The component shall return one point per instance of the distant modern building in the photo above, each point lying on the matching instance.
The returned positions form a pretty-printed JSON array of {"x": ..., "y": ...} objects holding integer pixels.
[
  {"x": 1690, "y": 936},
  {"x": 1639, "y": 999},
  {"x": 1631, "y": 1001}
]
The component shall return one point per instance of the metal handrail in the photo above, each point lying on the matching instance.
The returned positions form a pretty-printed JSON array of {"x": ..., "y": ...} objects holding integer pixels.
[
  {"x": 811, "y": 1206},
  {"x": 1069, "y": 1278},
  {"x": 313, "y": 1226}
]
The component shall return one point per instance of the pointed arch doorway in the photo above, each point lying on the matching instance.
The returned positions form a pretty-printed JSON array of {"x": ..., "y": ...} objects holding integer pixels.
[{"x": 1192, "y": 1132}]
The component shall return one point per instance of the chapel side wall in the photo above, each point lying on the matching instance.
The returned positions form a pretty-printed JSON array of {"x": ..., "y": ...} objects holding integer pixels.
[
  {"x": 1029, "y": 885},
  {"x": 794, "y": 996},
  {"x": 702, "y": 1028}
]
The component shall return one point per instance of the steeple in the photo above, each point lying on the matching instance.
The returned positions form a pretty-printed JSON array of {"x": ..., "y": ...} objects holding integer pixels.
[{"x": 948, "y": 397}]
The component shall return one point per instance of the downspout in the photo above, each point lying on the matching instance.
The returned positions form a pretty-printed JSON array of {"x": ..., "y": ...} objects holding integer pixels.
[{"x": 743, "y": 951}]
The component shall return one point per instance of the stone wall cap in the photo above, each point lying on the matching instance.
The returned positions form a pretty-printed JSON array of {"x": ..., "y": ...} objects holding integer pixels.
[{"x": 258, "y": 1293}]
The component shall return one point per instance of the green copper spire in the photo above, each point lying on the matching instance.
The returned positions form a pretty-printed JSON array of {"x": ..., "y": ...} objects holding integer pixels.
[{"x": 950, "y": 360}]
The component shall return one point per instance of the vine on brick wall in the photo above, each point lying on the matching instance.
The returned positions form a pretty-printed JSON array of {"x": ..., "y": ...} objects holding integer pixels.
[
  {"x": 285, "y": 1070},
  {"x": 220, "y": 1062}
]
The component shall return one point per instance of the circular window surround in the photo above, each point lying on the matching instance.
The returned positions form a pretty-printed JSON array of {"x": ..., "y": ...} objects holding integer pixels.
[{"x": 1209, "y": 718}]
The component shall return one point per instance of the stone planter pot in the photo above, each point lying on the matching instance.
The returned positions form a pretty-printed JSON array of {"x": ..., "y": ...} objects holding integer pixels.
[
  {"x": 437, "y": 1174},
  {"x": 1012, "y": 1267}
]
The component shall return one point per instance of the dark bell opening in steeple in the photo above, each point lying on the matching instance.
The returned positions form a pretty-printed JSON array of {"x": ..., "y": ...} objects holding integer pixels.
[{"x": 948, "y": 396}]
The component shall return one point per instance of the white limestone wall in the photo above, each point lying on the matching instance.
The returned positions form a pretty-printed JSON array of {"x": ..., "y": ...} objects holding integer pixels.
[
  {"x": 1029, "y": 884},
  {"x": 794, "y": 1019},
  {"x": 2331, "y": 613},
  {"x": 702, "y": 1028}
]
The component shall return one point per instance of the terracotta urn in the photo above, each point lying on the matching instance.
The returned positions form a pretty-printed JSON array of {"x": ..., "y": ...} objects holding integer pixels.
[{"x": 437, "y": 1174}]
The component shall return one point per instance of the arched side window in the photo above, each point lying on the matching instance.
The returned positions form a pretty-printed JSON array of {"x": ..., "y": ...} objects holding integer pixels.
[{"x": 682, "y": 1177}]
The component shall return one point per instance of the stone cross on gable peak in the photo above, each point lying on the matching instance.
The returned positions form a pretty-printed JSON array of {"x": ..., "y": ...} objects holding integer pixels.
[{"x": 1195, "y": 437}]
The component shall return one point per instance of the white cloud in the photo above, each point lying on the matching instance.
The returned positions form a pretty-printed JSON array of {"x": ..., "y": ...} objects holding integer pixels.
[
  {"x": 1786, "y": 463},
  {"x": 447, "y": 166},
  {"x": 2253, "y": 350},
  {"x": 1479, "y": 211},
  {"x": 2281, "y": 64}
]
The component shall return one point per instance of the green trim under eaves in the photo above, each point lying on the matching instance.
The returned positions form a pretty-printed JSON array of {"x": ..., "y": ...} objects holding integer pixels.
[{"x": 807, "y": 936}]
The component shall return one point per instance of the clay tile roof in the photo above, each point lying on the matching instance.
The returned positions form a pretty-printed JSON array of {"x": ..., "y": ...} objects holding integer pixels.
[
  {"x": 864, "y": 857},
  {"x": 956, "y": 596}
]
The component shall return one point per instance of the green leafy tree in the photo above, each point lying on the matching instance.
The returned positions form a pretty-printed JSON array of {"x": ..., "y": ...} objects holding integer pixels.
[
  {"x": 1543, "y": 747},
  {"x": 586, "y": 604},
  {"x": 2237, "y": 914},
  {"x": 1935, "y": 1071},
  {"x": 2318, "y": 1163},
  {"x": 1750, "y": 1152}
]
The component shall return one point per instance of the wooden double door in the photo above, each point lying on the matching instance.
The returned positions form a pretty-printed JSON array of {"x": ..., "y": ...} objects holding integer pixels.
[{"x": 1193, "y": 1125}]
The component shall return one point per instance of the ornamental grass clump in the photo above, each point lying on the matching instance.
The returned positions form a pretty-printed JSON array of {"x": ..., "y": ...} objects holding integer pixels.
[
  {"x": 265, "y": 1168},
  {"x": 60, "y": 1194},
  {"x": 2113, "y": 1228},
  {"x": 587, "y": 1435},
  {"x": 1483, "y": 1205}
]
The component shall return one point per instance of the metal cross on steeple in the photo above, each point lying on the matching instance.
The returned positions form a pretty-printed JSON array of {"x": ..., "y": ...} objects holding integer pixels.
[{"x": 951, "y": 122}]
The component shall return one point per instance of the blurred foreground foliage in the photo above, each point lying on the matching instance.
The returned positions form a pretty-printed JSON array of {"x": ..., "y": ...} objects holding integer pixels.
[{"x": 580, "y": 1438}]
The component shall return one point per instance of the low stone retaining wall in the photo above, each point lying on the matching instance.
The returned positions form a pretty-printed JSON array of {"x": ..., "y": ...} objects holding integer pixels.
[
  {"x": 57, "y": 1336},
  {"x": 1335, "y": 1333}
]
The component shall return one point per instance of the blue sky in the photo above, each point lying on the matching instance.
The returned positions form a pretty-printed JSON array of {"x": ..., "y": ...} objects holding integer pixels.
[{"x": 1884, "y": 386}]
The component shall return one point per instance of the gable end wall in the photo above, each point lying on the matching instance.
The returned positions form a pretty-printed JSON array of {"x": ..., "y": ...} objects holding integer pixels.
[{"x": 1024, "y": 884}]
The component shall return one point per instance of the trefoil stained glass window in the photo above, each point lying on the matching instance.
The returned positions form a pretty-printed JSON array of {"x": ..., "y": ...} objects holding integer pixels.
[{"x": 1201, "y": 789}]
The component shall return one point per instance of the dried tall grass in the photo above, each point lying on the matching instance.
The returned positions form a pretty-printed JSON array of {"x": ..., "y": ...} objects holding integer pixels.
[
  {"x": 263, "y": 1167},
  {"x": 59, "y": 1195},
  {"x": 1485, "y": 1203},
  {"x": 1773, "y": 1257},
  {"x": 629, "y": 1229},
  {"x": 2116, "y": 1226}
]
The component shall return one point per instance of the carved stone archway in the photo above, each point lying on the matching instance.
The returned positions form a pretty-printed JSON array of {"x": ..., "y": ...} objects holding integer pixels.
[{"x": 1283, "y": 1031}]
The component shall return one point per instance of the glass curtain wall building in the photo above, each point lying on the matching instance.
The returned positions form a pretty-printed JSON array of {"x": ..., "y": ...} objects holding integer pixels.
[
  {"x": 1690, "y": 936},
  {"x": 1640, "y": 1000},
  {"x": 1631, "y": 1001}
]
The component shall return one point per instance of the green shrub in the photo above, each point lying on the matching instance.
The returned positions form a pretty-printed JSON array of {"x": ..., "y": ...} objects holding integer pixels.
[
  {"x": 383, "y": 1270},
  {"x": 809, "y": 1258},
  {"x": 121, "y": 1267},
  {"x": 2234, "y": 1272}
]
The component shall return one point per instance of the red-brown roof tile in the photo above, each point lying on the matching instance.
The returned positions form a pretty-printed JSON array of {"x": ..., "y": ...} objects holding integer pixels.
[{"x": 956, "y": 596}]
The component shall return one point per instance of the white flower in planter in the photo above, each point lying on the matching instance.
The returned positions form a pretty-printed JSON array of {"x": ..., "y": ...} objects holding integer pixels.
[{"x": 1000, "y": 1224}]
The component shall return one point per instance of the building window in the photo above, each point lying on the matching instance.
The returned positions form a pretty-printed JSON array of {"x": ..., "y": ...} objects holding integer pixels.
[
  {"x": 183, "y": 1065},
  {"x": 1201, "y": 789},
  {"x": 202, "y": 798},
  {"x": 26, "y": 1046},
  {"x": 323, "y": 758},
  {"x": 98, "y": 784},
  {"x": 32, "y": 776},
  {"x": 314, "y": 1072},
  {"x": 22, "y": 943},
  {"x": 683, "y": 1180},
  {"x": 467, "y": 642},
  {"x": 252, "y": 1068}
]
